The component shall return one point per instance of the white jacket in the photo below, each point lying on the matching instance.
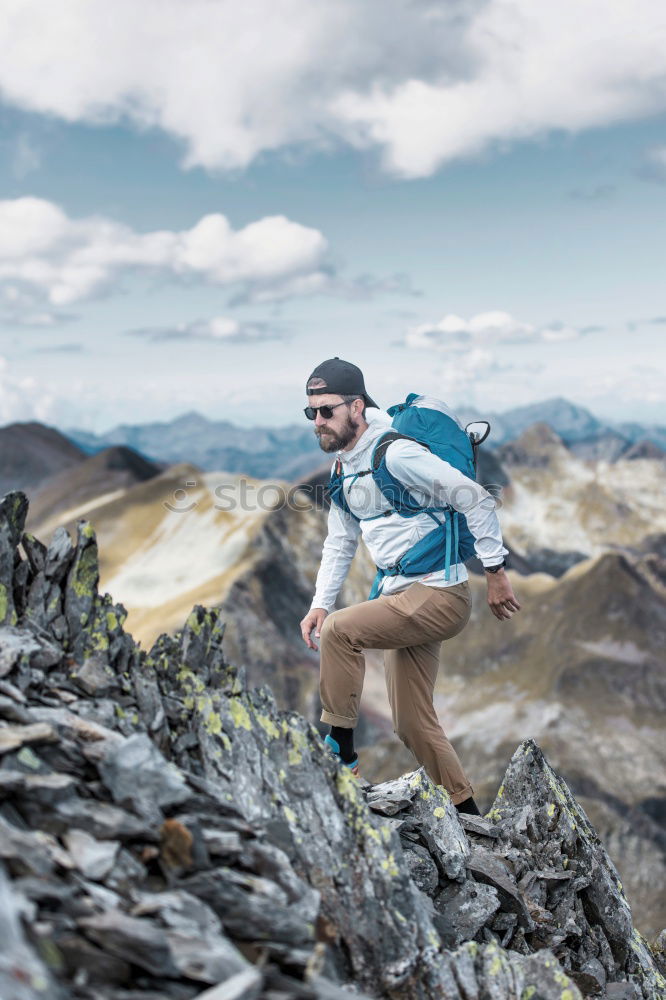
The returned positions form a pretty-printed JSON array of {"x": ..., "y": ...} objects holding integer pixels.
[{"x": 388, "y": 538}]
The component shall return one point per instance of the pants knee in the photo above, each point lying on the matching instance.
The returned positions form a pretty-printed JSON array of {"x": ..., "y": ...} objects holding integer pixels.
[{"x": 327, "y": 628}]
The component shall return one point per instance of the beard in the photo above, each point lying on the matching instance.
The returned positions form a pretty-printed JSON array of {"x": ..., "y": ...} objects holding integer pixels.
[{"x": 336, "y": 440}]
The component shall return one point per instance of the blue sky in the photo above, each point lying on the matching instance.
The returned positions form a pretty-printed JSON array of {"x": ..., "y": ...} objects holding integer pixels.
[{"x": 494, "y": 243}]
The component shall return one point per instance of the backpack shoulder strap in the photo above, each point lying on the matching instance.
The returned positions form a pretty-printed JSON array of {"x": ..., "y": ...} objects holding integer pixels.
[{"x": 383, "y": 443}]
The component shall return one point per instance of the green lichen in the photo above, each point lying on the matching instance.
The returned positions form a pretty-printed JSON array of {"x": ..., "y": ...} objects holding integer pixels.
[
  {"x": 84, "y": 577},
  {"x": 294, "y": 757},
  {"x": 389, "y": 865},
  {"x": 99, "y": 640},
  {"x": 112, "y": 622},
  {"x": 567, "y": 995},
  {"x": 433, "y": 939},
  {"x": 439, "y": 812},
  {"x": 551, "y": 808},
  {"x": 28, "y": 758},
  {"x": 291, "y": 815},
  {"x": 268, "y": 726},
  {"x": 193, "y": 623},
  {"x": 500, "y": 791},
  {"x": 120, "y": 712},
  {"x": 282, "y": 774},
  {"x": 494, "y": 814},
  {"x": 528, "y": 992},
  {"x": 495, "y": 966},
  {"x": 213, "y": 723},
  {"x": 4, "y": 603},
  {"x": 239, "y": 714},
  {"x": 415, "y": 781}
]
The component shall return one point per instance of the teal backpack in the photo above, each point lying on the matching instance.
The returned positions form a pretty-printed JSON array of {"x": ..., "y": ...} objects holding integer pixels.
[{"x": 450, "y": 541}]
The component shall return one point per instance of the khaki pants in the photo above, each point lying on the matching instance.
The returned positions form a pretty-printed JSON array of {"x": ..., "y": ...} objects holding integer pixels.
[{"x": 409, "y": 626}]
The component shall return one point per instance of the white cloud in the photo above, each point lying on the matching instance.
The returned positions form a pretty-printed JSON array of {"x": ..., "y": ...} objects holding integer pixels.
[
  {"x": 453, "y": 333},
  {"x": 63, "y": 260},
  {"x": 220, "y": 329},
  {"x": 26, "y": 398},
  {"x": 425, "y": 83}
]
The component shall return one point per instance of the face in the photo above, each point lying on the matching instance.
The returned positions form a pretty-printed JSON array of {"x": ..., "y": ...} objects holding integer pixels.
[{"x": 343, "y": 426}]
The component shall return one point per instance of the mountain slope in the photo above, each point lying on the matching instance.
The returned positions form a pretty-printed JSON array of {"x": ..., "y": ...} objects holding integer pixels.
[
  {"x": 108, "y": 473},
  {"x": 31, "y": 452}
]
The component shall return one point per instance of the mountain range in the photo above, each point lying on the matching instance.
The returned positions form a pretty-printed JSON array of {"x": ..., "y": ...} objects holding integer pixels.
[{"x": 289, "y": 452}]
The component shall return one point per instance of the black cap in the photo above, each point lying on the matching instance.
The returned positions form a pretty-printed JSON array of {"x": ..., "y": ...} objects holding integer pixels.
[{"x": 341, "y": 378}]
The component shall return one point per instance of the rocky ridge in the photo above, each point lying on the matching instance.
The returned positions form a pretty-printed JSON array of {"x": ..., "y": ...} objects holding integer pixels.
[{"x": 168, "y": 833}]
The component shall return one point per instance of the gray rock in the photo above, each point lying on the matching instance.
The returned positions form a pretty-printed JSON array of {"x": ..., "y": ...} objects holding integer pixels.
[
  {"x": 137, "y": 941},
  {"x": 160, "y": 784},
  {"x": 244, "y": 985},
  {"x": 463, "y": 910},
  {"x": 23, "y": 976},
  {"x": 94, "y": 677},
  {"x": 93, "y": 858},
  {"x": 21, "y": 645},
  {"x": 422, "y": 868}
]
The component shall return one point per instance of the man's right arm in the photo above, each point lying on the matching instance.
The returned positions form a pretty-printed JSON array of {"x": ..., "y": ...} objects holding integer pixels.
[{"x": 337, "y": 553}]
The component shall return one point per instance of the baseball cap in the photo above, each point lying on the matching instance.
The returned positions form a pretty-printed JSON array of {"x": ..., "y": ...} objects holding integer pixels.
[{"x": 342, "y": 378}]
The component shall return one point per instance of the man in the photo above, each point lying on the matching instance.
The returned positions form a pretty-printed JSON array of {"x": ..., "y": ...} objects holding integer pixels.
[{"x": 413, "y": 614}]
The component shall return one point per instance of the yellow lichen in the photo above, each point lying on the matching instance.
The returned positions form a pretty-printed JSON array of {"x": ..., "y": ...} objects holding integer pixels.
[
  {"x": 268, "y": 726},
  {"x": 239, "y": 714},
  {"x": 291, "y": 815},
  {"x": 389, "y": 865},
  {"x": 495, "y": 966},
  {"x": 439, "y": 812}
]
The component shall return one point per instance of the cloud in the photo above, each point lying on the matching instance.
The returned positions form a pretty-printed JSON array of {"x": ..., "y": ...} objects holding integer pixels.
[
  {"x": 453, "y": 333},
  {"x": 45, "y": 254},
  {"x": 426, "y": 85},
  {"x": 653, "y": 167},
  {"x": 26, "y": 398},
  {"x": 218, "y": 329}
]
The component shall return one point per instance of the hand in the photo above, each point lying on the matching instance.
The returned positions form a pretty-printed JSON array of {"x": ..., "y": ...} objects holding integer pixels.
[
  {"x": 313, "y": 620},
  {"x": 501, "y": 598}
]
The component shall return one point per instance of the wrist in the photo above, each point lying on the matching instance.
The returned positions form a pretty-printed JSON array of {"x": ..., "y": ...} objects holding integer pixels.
[{"x": 495, "y": 570}]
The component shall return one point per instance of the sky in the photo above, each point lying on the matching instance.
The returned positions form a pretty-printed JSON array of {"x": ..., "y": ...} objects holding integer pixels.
[{"x": 200, "y": 201}]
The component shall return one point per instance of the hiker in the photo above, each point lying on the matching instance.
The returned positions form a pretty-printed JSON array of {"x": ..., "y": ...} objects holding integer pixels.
[{"x": 420, "y": 595}]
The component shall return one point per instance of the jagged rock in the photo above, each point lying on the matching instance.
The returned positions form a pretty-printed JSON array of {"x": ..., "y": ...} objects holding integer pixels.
[
  {"x": 13, "y": 737},
  {"x": 210, "y": 839},
  {"x": 94, "y": 678},
  {"x": 22, "y": 975},
  {"x": 463, "y": 910},
  {"x": 13, "y": 510},
  {"x": 93, "y": 858},
  {"x": 22, "y": 646},
  {"x": 430, "y": 807},
  {"x": 161, "y": 783}
]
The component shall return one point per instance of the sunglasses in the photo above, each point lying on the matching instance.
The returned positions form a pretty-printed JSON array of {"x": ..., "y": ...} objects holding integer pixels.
[{"x": 326, "y": 411}]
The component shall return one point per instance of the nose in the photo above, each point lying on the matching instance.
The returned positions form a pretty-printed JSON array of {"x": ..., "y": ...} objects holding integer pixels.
[{"x": 319, "y": 420}]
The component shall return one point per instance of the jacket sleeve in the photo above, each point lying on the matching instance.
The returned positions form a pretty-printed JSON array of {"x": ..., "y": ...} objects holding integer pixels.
[
  {"x": 338, "y": 551},
  {"x": 436, "y": 483}
]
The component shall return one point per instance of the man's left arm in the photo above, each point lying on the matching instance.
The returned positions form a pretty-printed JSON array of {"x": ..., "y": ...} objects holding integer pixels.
[{"x": 436, "y": 482}]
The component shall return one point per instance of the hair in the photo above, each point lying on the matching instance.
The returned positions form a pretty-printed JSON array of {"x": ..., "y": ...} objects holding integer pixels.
[{"x": 351, "y": 398}]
